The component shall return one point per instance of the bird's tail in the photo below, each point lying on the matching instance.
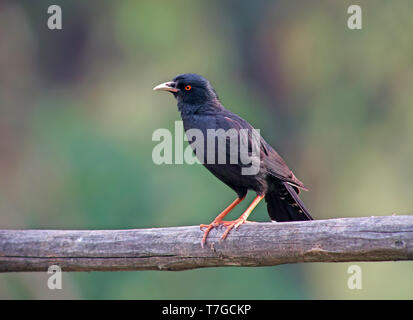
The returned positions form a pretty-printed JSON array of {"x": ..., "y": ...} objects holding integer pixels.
[{"x": 283, "y": 203}]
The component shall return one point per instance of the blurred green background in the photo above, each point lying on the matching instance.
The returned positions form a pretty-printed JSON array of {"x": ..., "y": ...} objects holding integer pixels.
[{"x": 77, "y": 113}]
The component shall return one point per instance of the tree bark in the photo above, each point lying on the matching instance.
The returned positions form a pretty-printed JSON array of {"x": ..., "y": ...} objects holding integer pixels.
[{"x": 179, "y": 248}]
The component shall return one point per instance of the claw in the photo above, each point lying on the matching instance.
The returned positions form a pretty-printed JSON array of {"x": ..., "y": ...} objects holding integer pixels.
[
  {"x": 218, "y": 220},
  {"x": 229, "y": 224},
  {"x": 233, "y": 224},
  {"x": 209, "y": 227}
]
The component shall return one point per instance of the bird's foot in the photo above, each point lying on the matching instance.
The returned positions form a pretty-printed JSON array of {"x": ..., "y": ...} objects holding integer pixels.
[
  {"x": 234, "y": 224},
  {"x": 209, "y": 227},
  {"x": 217, "y": 223}
]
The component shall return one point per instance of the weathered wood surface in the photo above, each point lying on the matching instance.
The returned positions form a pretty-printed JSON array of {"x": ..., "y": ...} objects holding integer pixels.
[{"x": 179, "y": 248}]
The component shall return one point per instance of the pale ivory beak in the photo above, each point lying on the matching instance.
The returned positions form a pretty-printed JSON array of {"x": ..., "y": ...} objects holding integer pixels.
[{"x": 167, "y": 86}]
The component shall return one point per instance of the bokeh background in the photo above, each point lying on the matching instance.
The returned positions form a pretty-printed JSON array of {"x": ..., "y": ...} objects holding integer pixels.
[{"x": 77, "y": 113}]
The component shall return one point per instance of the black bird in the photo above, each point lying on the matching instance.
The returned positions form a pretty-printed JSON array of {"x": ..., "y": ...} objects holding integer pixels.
[{"x": 201, "y": 109}]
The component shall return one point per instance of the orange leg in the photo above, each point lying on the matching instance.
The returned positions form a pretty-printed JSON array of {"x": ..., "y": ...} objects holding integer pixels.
[
  {"x": 243, "y": 218},
  {"x": 218, "y": 220}
]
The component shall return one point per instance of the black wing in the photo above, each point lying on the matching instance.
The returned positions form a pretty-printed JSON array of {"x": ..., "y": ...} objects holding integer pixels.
[{"x": 271, "y": 160}]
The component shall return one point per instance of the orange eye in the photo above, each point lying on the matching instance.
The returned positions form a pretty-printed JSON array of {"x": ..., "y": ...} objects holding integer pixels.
[{"x": 187, "y": 88}]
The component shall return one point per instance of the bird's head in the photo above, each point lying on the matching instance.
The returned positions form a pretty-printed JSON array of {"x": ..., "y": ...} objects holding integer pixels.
[{"x": 189, "y": 88}]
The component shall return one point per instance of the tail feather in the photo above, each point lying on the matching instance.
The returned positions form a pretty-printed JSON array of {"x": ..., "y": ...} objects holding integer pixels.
[{"x": 283, "y": 203}]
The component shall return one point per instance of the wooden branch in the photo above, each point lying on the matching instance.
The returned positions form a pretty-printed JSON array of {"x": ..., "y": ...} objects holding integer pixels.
[{"x": 258, "y": 244}]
